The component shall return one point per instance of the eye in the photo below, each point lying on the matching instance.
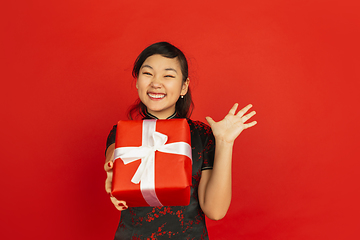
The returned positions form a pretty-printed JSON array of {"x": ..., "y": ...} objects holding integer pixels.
[
  {"x": 147, "y": 73},
  {"x": 169, "y": 76}
]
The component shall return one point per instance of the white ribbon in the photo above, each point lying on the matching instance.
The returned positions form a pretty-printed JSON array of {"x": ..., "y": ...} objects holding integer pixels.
[{"x": 145, "y": 174}]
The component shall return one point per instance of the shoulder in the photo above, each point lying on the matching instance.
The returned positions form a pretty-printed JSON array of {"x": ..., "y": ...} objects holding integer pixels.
[
  {"x": 111, "y": 137},
  {"x": 199, "y": 126},
  {"x": 114, "y": 128},
  {"x": 112, "y": 132}
]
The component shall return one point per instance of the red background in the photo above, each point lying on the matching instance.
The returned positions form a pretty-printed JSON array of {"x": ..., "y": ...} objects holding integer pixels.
[{"x": 66, "y": 79}]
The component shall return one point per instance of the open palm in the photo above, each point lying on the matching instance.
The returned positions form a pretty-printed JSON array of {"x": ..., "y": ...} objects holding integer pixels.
[{"x": 232, "y": 125}]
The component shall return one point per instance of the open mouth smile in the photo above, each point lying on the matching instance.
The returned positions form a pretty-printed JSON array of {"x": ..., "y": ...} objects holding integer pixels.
[{"x": 156, "y": 95}]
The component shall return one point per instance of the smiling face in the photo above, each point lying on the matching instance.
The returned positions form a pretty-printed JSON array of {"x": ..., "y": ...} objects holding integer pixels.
[{"x": 160, "y": 85}]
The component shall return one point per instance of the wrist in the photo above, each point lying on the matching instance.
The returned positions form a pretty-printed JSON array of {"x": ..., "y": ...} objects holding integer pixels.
[{"x": 223, "y": 142}]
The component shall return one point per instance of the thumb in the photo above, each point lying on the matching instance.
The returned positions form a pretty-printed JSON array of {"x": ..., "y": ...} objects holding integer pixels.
[
  {"x": 108, "y": 166},
  {"x": 210, "y": 121}
]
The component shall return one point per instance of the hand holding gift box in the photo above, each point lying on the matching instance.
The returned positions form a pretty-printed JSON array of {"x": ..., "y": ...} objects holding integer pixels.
[{"x": 152, "y": 163}]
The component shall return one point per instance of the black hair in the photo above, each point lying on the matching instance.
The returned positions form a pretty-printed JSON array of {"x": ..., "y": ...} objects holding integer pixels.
[{"x": 184, "y": 105}]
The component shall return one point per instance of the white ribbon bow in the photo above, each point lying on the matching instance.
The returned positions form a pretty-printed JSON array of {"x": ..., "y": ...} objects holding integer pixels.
[{"x": 145, "y": 174}]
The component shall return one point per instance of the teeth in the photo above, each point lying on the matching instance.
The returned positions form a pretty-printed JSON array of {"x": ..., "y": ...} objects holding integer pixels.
[{"x": 156, "y": 95}]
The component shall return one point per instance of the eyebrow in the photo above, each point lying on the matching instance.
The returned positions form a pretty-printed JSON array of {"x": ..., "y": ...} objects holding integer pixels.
[
  {"x": 170, "y": 69},
  {"x": 166, "y": 69},
  {"x": 147, "y": 66}
]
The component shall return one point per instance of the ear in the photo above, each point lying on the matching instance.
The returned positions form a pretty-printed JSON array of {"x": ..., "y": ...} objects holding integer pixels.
[
  {"x": 185, "y": 87},
  {"x": 137, "y": 86}
]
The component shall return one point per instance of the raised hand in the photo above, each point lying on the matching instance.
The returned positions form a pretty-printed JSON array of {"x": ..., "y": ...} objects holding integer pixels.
[{"x": 228, "y": 129}]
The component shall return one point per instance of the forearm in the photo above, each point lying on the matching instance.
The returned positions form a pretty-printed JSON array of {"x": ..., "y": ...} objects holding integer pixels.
[
  {"x": 109, "y": 155},
  {"x": 217, "y": 195},
  {"x": 108, "y": 167}
]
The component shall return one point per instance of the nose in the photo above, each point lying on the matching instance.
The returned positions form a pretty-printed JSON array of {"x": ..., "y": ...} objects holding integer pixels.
[{"x": 156, "y": 82}]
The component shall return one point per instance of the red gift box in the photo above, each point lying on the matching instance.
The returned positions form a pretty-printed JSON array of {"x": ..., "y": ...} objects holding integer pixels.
[{"x": 152, "y": 163}]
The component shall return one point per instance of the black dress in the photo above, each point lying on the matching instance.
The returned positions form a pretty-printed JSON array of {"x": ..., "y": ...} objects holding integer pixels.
[{"x": 179, "y": 222}]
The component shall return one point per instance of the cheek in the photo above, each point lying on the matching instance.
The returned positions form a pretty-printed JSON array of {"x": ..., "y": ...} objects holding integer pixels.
[
  {"x": 140, "y": 84},
  {"x": 175, "y": 87}
]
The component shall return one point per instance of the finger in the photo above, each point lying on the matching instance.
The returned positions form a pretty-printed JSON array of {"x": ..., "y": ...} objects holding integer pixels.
[
  {"x": 210, "y": 120},
  {"x": 119, "y": 205},
  {"x": 248, "y": 116},
  {"x": 244, "y": 110},
  {"x": 249, "y": 125},
  {"x": 233, "y": 109},
  {"x": 108, "y": 166},
  {"x": 123, "y": 203}
]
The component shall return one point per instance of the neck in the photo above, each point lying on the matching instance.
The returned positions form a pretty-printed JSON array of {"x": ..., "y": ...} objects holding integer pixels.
[{"x": 150, "y": 115}]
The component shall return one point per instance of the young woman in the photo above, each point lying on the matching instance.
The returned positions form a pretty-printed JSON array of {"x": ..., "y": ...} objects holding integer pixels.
[{"x": 161, "y": 73}]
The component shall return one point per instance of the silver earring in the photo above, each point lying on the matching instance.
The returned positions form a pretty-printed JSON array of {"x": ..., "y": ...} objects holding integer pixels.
[{"x": 182, "y": 96}]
